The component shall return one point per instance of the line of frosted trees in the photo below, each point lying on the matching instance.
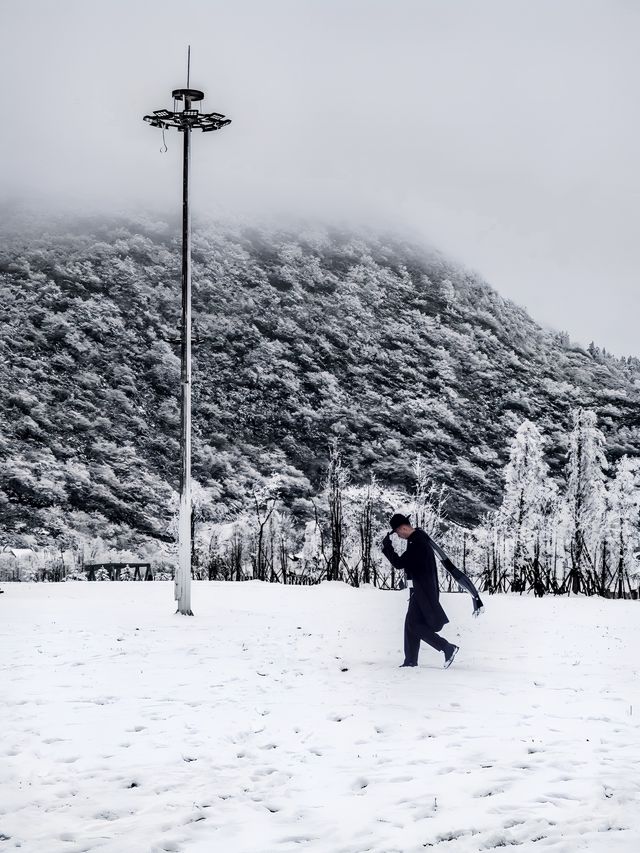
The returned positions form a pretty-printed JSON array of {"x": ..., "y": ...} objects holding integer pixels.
[
  {"x": 341, "y": 542},
  {"x": 581, "y": 537}
]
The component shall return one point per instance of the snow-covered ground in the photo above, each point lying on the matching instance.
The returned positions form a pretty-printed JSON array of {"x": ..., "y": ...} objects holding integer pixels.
[{"x": 276, "y": 720}]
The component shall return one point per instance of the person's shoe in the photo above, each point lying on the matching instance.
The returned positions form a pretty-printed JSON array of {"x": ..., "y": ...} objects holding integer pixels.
[
  {"x": 449, "y": 655},
  {"x": 407, "y": 664}
]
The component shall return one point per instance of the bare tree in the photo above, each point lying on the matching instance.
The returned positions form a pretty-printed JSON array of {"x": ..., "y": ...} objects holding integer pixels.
[
  {"x": 585, "y": 500},
  {"x": 427, "y": 506},
  {"x": 264, "y": 502},
  {"x": 335, "y": 485},
  {"x": 284, "y": 544},
  {"x": 235, "y": 554}
]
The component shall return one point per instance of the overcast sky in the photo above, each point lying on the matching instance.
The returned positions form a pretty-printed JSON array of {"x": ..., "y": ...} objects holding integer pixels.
[{"x": 504, "y": 132}]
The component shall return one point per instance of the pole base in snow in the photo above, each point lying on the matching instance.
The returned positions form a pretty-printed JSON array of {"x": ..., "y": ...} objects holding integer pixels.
[{"x": 188, "y": 613}]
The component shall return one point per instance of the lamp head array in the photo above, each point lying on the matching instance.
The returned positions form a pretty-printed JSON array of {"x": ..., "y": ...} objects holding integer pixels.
[{"x": 187, "y": 119}]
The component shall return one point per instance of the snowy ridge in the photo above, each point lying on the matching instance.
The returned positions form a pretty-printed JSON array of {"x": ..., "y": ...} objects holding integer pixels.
[
  {"x": 299, "y": 337},
  {"x": 277, "y": 720}
]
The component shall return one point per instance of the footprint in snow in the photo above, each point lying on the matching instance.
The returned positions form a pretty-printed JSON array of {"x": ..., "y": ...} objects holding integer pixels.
[
  {"x": 264, "y": 771},
  {"x": 558, "y": 795},
  {"x": 489, "y": 792},
  {"x": 106, "y": 815},
  {"x": 168, "y": 847},
  {"x": 423, "y": 812}
]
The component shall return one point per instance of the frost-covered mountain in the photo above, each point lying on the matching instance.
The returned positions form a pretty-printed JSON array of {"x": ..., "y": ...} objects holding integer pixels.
[{"x": 301, "y": 338}]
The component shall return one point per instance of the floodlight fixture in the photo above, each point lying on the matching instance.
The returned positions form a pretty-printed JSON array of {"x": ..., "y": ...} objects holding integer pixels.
[{"x": 188, "y": 118}]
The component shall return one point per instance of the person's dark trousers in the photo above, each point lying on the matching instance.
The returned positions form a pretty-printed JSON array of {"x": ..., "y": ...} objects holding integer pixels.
[{"x": 416, "y": 629}]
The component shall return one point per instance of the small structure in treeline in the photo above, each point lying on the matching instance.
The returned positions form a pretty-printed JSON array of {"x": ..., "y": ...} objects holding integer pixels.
[
  {"x": 20, "y": 564},
  {"x": 118, "y": 571}
]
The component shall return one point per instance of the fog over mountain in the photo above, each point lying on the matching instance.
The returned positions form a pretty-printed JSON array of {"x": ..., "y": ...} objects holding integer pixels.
[{"x": 502, "y": 132}]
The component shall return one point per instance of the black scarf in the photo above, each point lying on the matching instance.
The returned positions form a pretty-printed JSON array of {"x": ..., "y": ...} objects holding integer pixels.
[{"x": 462, "y": 580}]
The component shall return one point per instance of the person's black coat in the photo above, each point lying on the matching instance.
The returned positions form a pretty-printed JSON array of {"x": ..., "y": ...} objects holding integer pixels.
[{"x": 419, "y": 564}]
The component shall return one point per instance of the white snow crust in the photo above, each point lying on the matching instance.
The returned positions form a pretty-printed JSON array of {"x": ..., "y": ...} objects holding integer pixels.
[{"x": 277, "y": 720}]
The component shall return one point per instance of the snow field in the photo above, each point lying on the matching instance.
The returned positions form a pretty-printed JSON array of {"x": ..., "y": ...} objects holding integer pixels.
[{"x": 277, "y": 720}]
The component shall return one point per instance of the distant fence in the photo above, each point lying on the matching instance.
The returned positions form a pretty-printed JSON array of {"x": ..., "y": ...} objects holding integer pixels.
[{"x": 118, "y": 571}]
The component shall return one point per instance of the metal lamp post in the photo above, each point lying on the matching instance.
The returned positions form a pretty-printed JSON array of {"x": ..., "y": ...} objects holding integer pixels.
[{"x": 185, "y": 121}]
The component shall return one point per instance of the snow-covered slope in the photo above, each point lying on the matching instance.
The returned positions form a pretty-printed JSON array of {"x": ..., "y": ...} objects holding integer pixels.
[
  {"x": 277, "y": 720},
  {"x": 302, "y": 337}
]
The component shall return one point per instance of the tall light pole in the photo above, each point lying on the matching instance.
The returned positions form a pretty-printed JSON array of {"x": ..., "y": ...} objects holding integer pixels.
[{"x": 185, "y": 121}]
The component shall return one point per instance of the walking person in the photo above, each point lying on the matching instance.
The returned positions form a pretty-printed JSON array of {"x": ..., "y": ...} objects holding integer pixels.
[{"x": 425, "y": 615}]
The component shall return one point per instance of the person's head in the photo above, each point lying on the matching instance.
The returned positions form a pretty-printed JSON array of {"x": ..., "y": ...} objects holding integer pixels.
[{"x": 401, "y": 525}]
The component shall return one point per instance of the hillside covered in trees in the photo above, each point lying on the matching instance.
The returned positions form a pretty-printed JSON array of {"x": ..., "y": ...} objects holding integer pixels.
[{"x": 300, "y": 338}]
